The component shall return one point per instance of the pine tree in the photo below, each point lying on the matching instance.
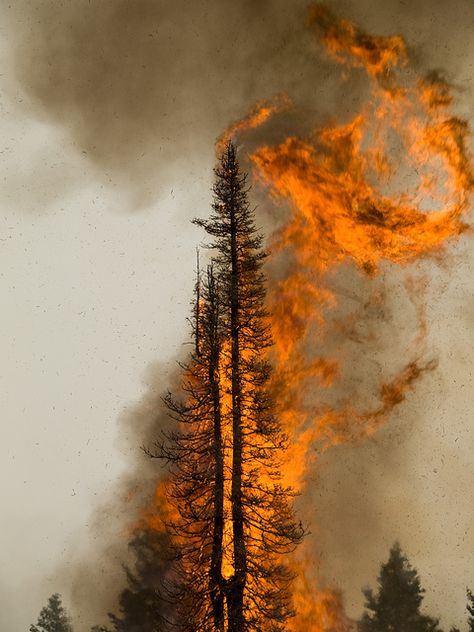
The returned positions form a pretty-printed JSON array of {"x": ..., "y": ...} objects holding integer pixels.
[
  {"x": 53, "y": 617},
  {"x": 262, "y": 523},
  {"x": 141, "y": 604},
  {"x": 195, "y": 453},
  {"x": 235, "y": 521},
  {"x": 396, "y": 606},
  {"x": 470, "y": 609}
]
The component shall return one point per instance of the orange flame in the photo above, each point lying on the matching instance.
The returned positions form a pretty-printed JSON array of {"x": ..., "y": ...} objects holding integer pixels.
[
  {"x": 353, "y": 194},
  {"x": 320, "y": 611},
  {"x": 260, "y": 113},
  {"x": 349, "y": 44}
]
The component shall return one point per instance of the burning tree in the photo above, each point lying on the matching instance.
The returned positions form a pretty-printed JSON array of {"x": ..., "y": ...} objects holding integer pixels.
[{"x": 233, "y": 521}]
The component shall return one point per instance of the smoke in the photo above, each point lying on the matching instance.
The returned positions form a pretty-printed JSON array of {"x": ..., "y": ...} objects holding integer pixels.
[
  {"x": 93, "y": 580},
  {"x": 144, "y": 87}
]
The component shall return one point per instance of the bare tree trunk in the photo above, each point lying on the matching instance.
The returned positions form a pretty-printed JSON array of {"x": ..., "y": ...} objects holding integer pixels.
[
  {"x": 216, "y": 580},
  {"x": 237, "y": 584}
]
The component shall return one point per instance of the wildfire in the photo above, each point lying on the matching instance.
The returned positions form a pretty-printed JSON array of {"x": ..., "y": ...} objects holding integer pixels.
[
  {"x": 349, "y": 44},
  {"x": 393, "y": 184},
  {"x": 320, "y": 611}
]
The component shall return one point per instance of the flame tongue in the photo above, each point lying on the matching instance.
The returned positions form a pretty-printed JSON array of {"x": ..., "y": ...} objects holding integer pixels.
[
  {"x": 393, "y": 184},
  {"x": 260, "y": 113},
  {"x": 349, "y": 44}
]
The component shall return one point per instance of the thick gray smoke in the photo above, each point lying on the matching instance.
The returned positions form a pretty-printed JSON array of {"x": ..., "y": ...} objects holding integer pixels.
[
  {"x": 142, "y": 84},
  {"x": 139, "y": 86},
  {"x": 93, "y": 583}
]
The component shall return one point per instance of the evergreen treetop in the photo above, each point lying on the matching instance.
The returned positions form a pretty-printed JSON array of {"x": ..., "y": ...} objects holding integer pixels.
[
  {"x": 396, "y": 605},
  {"x": 53, "y": 617},
  {"x": 470, "y": 609},
  {"x": 234, "y": 519}
]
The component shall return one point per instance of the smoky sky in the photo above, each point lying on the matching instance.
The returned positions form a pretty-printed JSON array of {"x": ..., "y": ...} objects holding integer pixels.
[
  {"x": 95, "y": 580},
  {"x": 142, "y": 86}
]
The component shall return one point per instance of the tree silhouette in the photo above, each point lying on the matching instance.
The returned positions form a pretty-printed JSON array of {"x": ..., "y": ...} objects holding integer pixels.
[
  {"x": 396, "y": 606},
  {"x": 53, "y": 617},
  {"x": 141, "y": 605},
  {"x": 234, "y": 519},
  {"x": 470, "y": 609},
  {"x": 196, "y": 490}
]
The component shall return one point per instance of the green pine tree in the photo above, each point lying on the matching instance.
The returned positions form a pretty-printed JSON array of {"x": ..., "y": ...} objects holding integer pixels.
[
  {"x": 396, "y": 606},
  {"x": 53, "y": 617}
]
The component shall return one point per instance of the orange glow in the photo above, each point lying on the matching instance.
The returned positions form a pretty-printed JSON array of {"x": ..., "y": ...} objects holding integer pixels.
[
  {"x": 261, "y": 111},
  {"x": 317, "y": 611},
  {"x": 349, "y": 44},
  {"x": 353, "y": 195},
  {"x": 159, "y": 511}
]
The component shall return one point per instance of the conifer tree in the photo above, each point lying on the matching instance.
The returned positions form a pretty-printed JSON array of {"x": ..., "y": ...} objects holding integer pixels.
[
  {"x": 470, "y": 609},
  {"x": 141, "y": 604},
  {"x": 234, "y": 522},
  {"x": 396, "y": 606},
  {"x": 53, "y": 617},
  {"x": 196, "y": 490}
]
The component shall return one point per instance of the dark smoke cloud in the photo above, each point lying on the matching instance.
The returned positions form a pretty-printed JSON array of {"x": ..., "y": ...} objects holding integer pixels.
[{"x": 142, "y": 84}]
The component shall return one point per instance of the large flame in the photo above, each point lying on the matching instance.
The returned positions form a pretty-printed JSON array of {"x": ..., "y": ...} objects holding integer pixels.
[{"x": 393, "y": 185}]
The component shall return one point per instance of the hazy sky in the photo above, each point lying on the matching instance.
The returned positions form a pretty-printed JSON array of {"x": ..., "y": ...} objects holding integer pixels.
[{"x": 108, "y": 115}]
